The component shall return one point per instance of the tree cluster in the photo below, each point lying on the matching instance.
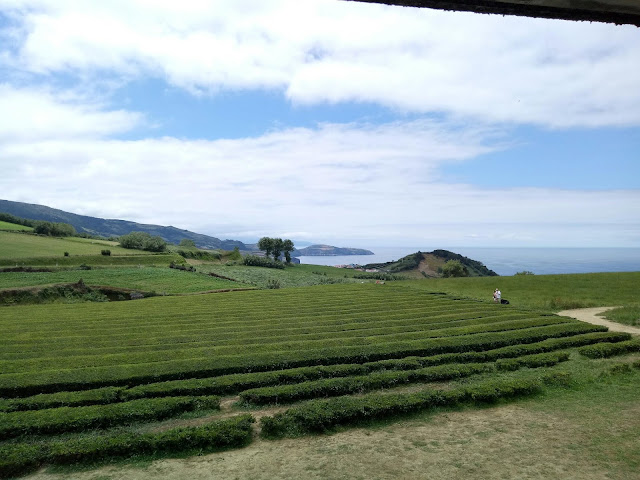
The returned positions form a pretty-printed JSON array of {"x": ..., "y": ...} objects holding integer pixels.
[
  {"x": 54, "y": 229},
  {"x": 41, "y": 227},
  {"x": 143, "y": 241},
  {"x": 276, "y": 247},
  {"x": 7, "y": 217}
]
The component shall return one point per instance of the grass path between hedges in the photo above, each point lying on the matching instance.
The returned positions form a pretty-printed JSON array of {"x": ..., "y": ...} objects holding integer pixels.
[{"x": 590, "y": 315}]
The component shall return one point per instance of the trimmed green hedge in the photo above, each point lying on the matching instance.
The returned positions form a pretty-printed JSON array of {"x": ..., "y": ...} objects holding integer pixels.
[
  {"x": 323, "y": 415},
  {"x": 70, "y": 419},
  {"x": 19, "y": 459},
  {"x": 32, "y": 383},
  {"x": 101, "y": 396},
  {"x": 229, "y": 345},
  {"x": 234, "y": 383},
  {"x": 333, "y": 387},
  {"x": 606, "y": 350},
  {"x": 533, "y": 361}
]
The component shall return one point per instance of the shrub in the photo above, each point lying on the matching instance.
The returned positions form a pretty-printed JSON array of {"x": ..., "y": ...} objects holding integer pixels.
[
  {"x": 143, "y": 241},
  {"x": 31, "y": 383},
  {"x": 255, "y": 261},
  {"x": 105, "y": 252},
  {"x": 66, "y": 254},
  {"x": 322, "y": 415},
  {"x": 533, "y": 361},
  {"x": 273, "y": 283},
  {"x": 454, "y": 268},
  {"x": 101, "y": 396},
  {"x": 21, "y": 458},
  {"x": 343, "y": 386},
  {"x": 53, "y": 229},
  {"x": 69, "y": 419},
  {"x": 379, "y": 276},
  {"x": 606, "y": 350}
]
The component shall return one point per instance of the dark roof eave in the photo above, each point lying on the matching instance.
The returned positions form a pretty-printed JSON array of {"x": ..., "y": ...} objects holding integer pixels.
[{"x": 528, "y": 10}]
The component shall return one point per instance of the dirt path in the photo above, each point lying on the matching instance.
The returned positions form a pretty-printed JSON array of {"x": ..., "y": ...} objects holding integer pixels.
[{"x": 590, "y": 315}]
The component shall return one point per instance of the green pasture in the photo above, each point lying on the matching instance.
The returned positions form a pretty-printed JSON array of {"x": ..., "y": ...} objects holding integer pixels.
[
  {"x": 93, "y": 260},
  {"x": 149, "y": 279},
  {"x": 291, "y": 276},
  {"x": 14, "y": 227},
  {"x": 546, "y": 292},
  {"x": 17, "y": 245}
]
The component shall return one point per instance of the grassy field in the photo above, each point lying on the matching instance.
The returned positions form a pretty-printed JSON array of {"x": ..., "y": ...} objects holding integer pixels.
[
  {"x": 548, "y": 292},
  {"x": 292, "y": 276},
  {"x": 629, "y": 315},
  {"x": 149, "y": 279},
  {"x": 16, "y": 245},
  {"x": 6, "y": 226},
  {"x": 161, "y": 259},
  {"x": 92, "y": 382}
]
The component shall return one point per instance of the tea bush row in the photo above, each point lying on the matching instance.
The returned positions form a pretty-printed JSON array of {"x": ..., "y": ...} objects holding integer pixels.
[
  {"x": 22, "y": 458},
  {"x": 606, "y": 350},
  {"x": 333, "y": 387},
  {"x": 234, "y": 383},
  {"x": 383, "y": 335},
  {"x": 323, "y": 415},
  {"x": 69, "y": 419},
  {"x": 204, "y": 336},
  {"x": 33, "y": 383},
  {"x": 344, "y": 386},
  {"x": 111, "y": 333},
  {"x": 101, "y": 396},
  {"x": 533, "y": 361}
]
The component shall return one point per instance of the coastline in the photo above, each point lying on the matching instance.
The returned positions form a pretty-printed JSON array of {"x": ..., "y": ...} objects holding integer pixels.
[{"x": 510, "y": 260}]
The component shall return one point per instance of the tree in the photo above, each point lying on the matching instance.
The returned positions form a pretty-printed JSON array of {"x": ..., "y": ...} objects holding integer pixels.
[
  {"x": 54, "y": 229},
  {"x": 266, "y": 244},
  {"x": 187, "y": 242},
  {"x": 453, "y": 268},
  {"x": 277, "y": 247},
  {"x": 143, "y": 241},
  {"x": 288, "y": 248}
]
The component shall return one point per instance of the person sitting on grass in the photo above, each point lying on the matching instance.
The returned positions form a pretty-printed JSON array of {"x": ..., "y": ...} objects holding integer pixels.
[{"x": 497, "y": 295}]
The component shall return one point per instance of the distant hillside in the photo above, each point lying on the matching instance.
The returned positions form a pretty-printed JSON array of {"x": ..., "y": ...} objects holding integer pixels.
[
  {"x": 328, "y": 250},
  {"x": 114, "y": 228},
  {"x": 422, "y": 264}
]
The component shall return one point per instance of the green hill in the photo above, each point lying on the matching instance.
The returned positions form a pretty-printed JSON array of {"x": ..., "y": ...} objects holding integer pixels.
[
  {"x": 114, "y": 228},
  {"x": 428, "y": 264}
]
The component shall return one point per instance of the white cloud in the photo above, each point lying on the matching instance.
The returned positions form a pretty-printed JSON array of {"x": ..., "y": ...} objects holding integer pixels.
[
  {"x": 498, "y": 69},
  {"x": 348, "y": 182},
  {"x": 37, "y": 113}
]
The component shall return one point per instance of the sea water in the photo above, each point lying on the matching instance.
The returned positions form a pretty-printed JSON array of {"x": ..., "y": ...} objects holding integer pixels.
[{"x": 508, "y": 261}]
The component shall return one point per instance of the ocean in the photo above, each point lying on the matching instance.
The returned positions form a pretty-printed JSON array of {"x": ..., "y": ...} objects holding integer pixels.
[{"x": 508, "y": 261}]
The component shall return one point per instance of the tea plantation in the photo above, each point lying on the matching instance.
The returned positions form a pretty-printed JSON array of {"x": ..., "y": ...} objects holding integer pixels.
[{"x": 95, "y": 381}]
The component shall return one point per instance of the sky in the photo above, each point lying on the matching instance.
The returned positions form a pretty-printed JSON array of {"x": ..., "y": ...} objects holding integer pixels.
[{"x": 324, "y": 121}]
